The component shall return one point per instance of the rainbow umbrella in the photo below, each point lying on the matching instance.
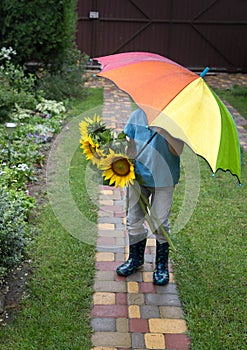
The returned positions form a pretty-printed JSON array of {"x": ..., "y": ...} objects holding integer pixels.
[{"x": 179, "y": 101}]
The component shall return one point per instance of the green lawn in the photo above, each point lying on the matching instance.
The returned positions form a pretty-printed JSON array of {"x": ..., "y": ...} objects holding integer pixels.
[
  {"x": 210, "y": 266},
  {"x": 237, "y": 97}
]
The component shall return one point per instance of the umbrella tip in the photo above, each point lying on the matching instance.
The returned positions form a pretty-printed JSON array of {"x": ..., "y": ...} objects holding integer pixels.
[{"x": 204, "y": 72}]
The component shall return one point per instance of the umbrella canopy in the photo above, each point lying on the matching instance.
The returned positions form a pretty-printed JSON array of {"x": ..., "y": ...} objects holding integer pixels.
[{"x": 179, "y": 101}]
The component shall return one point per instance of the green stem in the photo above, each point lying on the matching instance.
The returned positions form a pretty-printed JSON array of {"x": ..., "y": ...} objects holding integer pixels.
[{"x": 147, "y": 217}]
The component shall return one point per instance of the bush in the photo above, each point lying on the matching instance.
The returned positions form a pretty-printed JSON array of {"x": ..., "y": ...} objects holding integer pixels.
[
  {"x": 39, "y": 30},
  {"x": 20, "y": 157},
  {"x": 67, "y": 80},
  {"x": 14, "y": 231},
  {"x": 16, "y": 87}
]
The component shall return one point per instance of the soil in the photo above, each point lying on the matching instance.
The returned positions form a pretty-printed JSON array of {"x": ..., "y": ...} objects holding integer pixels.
[{"x": 13, "y": 291}]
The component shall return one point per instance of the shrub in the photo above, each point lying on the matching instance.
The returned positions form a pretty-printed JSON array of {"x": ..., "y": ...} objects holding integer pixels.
[
  {"x": 14, "y": 231},
  {"x": 39, "y": 30},
  {"x": 16, "y": 86},
  {"x": 67, "y": 80},
  {"x": 20, "y": 157}
]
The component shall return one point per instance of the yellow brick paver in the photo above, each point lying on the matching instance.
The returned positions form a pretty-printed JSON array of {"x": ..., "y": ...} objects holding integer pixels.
[
  {"x": 134, "y": 311},
  {"x": 132, "y": 287},
  {"x": 147, "y": 276},
  {"x": 104, "y": 256},
  {"x": 106, "y": 202},
  {"x": 168, "y": 325},
  {"x": 107, "y": 192},
  {"x": 106, "y": 226},
  {"x": 154, "y": 341},
  {"x": 103, "y": 298},
  {"x": 103, "y": 348},
  {"x": 151, "y": 242}
]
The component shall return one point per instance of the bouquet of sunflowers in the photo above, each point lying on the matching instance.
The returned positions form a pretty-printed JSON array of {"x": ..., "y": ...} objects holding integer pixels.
[{"x": 106, "y": 152}]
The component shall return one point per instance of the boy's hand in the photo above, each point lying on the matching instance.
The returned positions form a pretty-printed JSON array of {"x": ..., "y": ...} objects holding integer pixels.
[{"x": 175, "y": 145}]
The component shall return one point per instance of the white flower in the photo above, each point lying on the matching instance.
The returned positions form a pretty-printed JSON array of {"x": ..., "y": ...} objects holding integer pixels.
[
  {"x": 6, "y": 53},
  {"x": 23, "y": 167}
]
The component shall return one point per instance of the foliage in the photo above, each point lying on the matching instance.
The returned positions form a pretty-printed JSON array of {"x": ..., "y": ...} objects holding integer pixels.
[
  {"x": 22, "y": 90},
  {"x": 20, "y": 155},
  {"x": 40, "y": 30},
  {"x": 14, "y": 231},
  {"x": 67, "y": 80},
  {"x": 16, "y": 86},
  {"x": 49, "y": 106}
]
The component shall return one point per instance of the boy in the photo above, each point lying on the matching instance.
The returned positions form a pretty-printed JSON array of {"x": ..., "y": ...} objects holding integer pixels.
[{"x": 157, "y": 163}]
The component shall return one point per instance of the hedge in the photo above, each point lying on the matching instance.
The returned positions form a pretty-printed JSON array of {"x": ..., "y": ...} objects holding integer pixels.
[{"x": 39, "y": 30}]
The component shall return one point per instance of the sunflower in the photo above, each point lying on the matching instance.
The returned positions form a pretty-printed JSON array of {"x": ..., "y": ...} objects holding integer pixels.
[
  {"x": 118, "y": 169},
  {"x": 91, "y": 150},
  {"x": 89, "y": 125}
]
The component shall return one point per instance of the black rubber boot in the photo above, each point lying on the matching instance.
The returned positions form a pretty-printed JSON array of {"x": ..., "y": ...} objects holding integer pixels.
[
  {"x": 135, "y": 260},
  {"x": 161, "y": 273}
]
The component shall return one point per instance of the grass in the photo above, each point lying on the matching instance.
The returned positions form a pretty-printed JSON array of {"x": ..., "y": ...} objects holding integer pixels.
[
  {"x": 209, "y": 267},
  {"x": 236, "y": 96},
  {"x": 55, "y": 311}
]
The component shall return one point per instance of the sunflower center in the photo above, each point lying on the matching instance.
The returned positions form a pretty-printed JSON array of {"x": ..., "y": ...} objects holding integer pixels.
[{"x": 121, "y": 167}]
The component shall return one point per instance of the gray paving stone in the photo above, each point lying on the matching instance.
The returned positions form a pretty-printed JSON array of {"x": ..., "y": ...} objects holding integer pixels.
[
  {"x": 120, "y": 241},
  {"x": 170, "y": 288},
  {"x": 111, "y": 233},
  {"x": 136, "y": 277},
  {"x": 149, "y": 258},
  {"x": 148, "y": 267},
  {"x": 162, "y": 299},
  {"x": 103, "y": 324},
  {"x": 150, "y": 311},
  {"x": 111, "y": 339},
  {"x": 122, "y": 325},
  {"x": 119, "y": 225},
  {"x": 105, "y": 275},
  {"x": 135, "y": 299},
  {"x": 120, "y": 257},
  {"x": 171, "y": 312},
  {"x": 114, "y": 286},
  {"x": 137, "y": 341},
  {"x": 110, "y": 249},
  {"x": 110, "y": 220}
]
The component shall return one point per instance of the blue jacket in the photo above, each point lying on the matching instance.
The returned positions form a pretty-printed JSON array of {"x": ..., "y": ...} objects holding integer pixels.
[{"x": 157, "y": 166}]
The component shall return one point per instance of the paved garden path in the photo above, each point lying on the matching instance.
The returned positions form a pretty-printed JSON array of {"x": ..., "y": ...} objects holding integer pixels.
[{"x": 132, "y": 313}]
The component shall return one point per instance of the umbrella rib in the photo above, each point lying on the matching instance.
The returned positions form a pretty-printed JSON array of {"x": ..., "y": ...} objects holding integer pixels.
[{"x": 146, "y": 144}]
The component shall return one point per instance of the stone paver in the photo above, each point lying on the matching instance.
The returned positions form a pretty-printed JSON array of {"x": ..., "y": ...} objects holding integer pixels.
[{"x": 132, "y": 313}]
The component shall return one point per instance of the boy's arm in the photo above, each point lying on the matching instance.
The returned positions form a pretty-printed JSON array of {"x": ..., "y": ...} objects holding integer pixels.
[{"x": 175, "y": 145}]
